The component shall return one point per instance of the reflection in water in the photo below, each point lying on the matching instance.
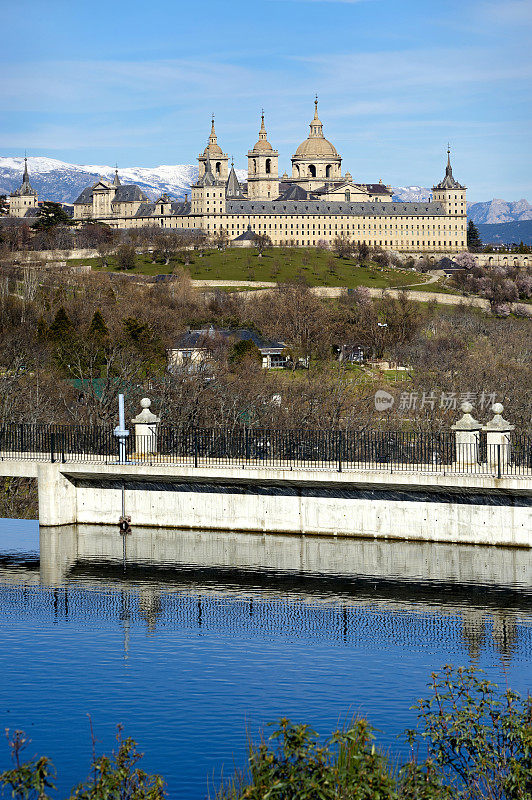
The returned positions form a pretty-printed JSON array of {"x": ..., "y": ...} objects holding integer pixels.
[
  {"x": 271, "y": 584},
  {"x": 184, "y": 636}
]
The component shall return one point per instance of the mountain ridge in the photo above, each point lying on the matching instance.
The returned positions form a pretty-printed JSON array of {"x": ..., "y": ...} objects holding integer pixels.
[{"x": 63, "y": 182}]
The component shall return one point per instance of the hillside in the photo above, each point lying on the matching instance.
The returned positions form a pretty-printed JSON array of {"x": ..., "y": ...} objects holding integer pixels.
[{"x": 506, "y": 232}]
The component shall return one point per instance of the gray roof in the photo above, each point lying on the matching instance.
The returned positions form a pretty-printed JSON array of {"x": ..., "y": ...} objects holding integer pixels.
[
  {"x": 249, "y": 235},
  {"x": 448, "y": 265},
  {"x": 449, "y": 182},
  {"x": 125, "y": 193},
  {"x": 33, "y": 212},
  {"x": 370, "y": 188},
  {"x": 233, "y": 188},
  {"x": 294, "y": 192},
  {"x": 199, "y": 338},
  {"x": 85, "y": 196},
  {"x": 25, "y": 189},
  {"x": 177, "y": 208},
  {"x": 302, "y": 207},
  {"x": 128, "y": 192}
]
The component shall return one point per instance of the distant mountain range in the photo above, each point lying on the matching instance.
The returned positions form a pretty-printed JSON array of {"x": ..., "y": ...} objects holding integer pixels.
[
  {"x": 506, "y": 232},
  {"x": 63, "y": 182}
]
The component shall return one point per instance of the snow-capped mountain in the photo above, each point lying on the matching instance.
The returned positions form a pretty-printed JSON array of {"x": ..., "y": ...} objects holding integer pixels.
[
  {"x": 63, "y": 182},
  {"x": 494, "y": 211},
  {"x": 411, "y": 194}
]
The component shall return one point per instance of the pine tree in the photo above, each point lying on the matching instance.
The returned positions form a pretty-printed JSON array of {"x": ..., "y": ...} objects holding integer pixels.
[
  {"x": 50, "y": 215},
  {"x": 474, "y": 241},
  {"x": 42, "y": 330},
  {"x": 98, "y": 330},
  {"x": 61, "y": 328}
]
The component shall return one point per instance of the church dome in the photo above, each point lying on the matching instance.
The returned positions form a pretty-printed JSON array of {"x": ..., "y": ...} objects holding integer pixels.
[
  {"x": 263, "y": 143},
  {"x": 316, "y": 145},
  {"x": 313, "y": 147},
  {"x": 213, "y": 150}
]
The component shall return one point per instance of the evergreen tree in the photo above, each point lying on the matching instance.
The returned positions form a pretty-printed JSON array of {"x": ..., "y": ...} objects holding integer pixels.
[
  {"x": 61, "y": 328},
  {"x": 50, "y": 215},
  {"x": 474, "y": 241},
  {"x": 42, "y": 330},
  {"x": 98, "y": 330}
]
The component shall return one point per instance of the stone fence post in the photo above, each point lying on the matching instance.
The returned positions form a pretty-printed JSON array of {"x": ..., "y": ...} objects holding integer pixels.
[
  {"x": 498, "y": 439},
  {"x": 146, "y": 424},
  {"x": 467, "y": 432}
]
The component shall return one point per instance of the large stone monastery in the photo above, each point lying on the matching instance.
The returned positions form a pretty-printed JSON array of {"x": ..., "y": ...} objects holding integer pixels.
[{"x": 316, "y": 204}]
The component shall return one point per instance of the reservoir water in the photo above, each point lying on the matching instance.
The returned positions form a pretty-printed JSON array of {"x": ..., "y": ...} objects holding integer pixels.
[{"x": 193, "y": 640}]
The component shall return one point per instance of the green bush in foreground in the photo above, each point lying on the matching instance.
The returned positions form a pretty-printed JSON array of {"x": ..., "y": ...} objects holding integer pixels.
[{"x": 476, "y": 743}]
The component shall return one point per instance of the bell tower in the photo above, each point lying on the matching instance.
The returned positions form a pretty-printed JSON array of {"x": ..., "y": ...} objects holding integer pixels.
[
  {"x": 23, "y": 198},
  {"x": 452, "y": 197},
  {"x": 263, "y": 168}
]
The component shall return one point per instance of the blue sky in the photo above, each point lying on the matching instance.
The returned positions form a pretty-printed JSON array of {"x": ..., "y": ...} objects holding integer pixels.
[{"x": 136, "y": 82}]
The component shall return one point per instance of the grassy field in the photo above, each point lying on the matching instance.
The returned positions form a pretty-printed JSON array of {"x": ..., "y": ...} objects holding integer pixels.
[{"x": 315, "y": 267}]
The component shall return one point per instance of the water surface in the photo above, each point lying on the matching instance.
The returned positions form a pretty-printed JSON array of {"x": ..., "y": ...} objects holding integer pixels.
[{"x": 190, "y": 639}]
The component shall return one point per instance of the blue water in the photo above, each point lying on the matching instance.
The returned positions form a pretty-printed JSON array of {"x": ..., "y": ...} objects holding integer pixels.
[{"x": 190, "y": 660}]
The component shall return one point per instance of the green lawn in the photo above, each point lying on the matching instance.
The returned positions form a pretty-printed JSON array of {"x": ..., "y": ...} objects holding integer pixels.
[{"x": 315, "y": 267}]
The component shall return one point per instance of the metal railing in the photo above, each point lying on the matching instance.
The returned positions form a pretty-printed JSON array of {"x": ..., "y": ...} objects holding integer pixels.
[{"x": 393, "y": 451}]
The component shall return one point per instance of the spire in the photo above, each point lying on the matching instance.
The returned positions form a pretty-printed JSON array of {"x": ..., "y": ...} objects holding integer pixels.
[
  {"x": 262, "y": 133},
  {"x": 449, "y": 182},
  {"x": 232, "y": 187},
  {"x": 316, "y": 127},
  {"x": 207, "y": 178},
  {"x": 116, "y": 181},
  {"x": 212, "y": 138},
  {"x": 25, "y": 188}
]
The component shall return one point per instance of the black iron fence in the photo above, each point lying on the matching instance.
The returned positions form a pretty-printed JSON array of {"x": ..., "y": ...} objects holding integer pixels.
[{"x": 330, "y": 449}]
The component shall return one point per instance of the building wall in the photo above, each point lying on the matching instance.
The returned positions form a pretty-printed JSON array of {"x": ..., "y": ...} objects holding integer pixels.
[{"x": 18, "y": 205}]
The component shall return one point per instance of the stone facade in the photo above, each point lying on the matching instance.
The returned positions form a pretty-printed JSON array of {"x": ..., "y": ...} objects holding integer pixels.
[
  {"x": 316, "y": 204},
  {"x": 24, "y": 201}
]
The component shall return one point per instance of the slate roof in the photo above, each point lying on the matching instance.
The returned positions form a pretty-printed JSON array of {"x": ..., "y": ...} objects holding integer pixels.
[
  {"x": 448, "y": 265},
  {"x": 129, "y": 192},
  {"x": 248, "y": 235},
  {"x": 233, "y": 188},
  {"x": 177, "y": 208},
  {"x": 294, "y": 192},
  {"x": 125, "y": 193},
  {"x": 449, "y": 182},
  {"x": 334, "y": 207},
  {"x": 196, "y": 339}
]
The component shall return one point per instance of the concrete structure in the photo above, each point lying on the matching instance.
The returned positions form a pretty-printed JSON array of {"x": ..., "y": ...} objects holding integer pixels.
[
  {"x": 315, "y": 205},
  {"x": 467, "y": 436},
  {"x": 498, "y": 441},
  {"x": 462, "y": 506}
]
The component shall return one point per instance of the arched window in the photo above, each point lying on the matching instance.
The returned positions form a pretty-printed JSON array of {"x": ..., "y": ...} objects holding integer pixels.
[
  {"x": 328, "y": 171},
  {"x": 254, "y": 165},
  {"x": 268, "y": 166},
  {"x": 218, "y": 168},
  {"x": 297, "y": 170},
  {"x": 312, "y": 171},
  {"x": 348, "y": 195}
]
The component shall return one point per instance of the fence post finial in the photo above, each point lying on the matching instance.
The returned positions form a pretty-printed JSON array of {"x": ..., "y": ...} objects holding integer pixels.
[
  {"x": 146, "y": 424},
  {"x": 498, "y": 433},
  {"x": 467, "y": 432}
]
